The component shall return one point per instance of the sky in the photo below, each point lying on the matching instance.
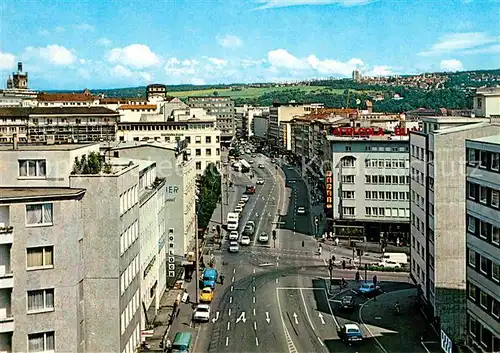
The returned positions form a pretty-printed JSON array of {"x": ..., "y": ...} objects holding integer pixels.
[{"x": 77, "y": 44}]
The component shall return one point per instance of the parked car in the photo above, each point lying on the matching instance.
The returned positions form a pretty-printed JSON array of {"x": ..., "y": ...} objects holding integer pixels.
[
  {"x": 241, "y": 203},
  {"x": 301, "y": 210},
  {"x": 260, "y": 181},
  {"x": 263, "y": 238},
  {"x": 245, "y": 198},
  {"x": 369, "y": 288},
  {"x": 261, "y": 166},
  {"x": 350, "y": 333},
  {"x": 206, "y": 295},
  {"x": 238, "y": 209},
  {"x": 389, "y": 264},
  {"x": 233, "y": 247},
  {"x": 347, "y": 303},
  {"x": 202, "y": 313},
  {"x": 233, "y": 235},
  {"x": 245, "y": 240}
]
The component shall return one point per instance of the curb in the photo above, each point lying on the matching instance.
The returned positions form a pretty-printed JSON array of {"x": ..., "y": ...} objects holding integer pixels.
[{"x": 360, "y": 317}]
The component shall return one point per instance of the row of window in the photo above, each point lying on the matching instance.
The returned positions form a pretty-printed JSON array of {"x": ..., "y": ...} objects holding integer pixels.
[
  {"x": 134, "y": 341},
  {"x": 419, "y": 224},
  {"x": 381, "y": 149},
  {"x": 128, "y": 199},
  {"x": 483, "y": 194},
  {"x": 484, "y": 230},
  {"x": 128, "y": 314},
  {"x": 421, "y": 250},
  {"x": 483, "y": 159},
  {"x": 483, "y": 265},
  {"x": 129, "y": 274},
  {"x": 387, "y": 195},
  {"x": 197, "y": 139},
  {"x": 419, "y": 153},
  {"x": 485, "y": 301},
  {"x": 387, "y": 163},
  {"x": 417, "y": 176},
  {"x": 387, "y": 179},
  {"x": 208, "y": 152},
  {"x": 32, "y": 168},
  {"x": 482, "y": 336},
  {"x": 387, "y": 212},
  {"x": 128, "y": 237}
]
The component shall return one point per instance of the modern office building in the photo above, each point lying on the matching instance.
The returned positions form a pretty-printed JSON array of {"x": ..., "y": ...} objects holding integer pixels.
[
  {"x": 437, "y": 191},
  {"x": 487, "y": 102},
  {"x": 220, "y": 107},
  {"x": 483, "y": 243},
  {"x": 369, "y": 183}
]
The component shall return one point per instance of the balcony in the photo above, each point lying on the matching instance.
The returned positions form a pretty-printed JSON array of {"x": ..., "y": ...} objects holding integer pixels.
[
  {"x": 6, "y": 281},
  {"x": 6, "y": 275},
  {"x": 5, "y": 229},
  {"x": 6, "y": 317}
]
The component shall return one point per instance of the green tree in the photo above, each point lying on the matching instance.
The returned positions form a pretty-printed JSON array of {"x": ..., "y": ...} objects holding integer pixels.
[{"x": 210, "y": 192}]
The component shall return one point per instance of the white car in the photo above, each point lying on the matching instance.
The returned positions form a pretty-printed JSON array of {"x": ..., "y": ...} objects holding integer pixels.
[
  {"x": 389, "y": 264},
  {"x": 233, "y": 246},
  {"x": 301, "y": 210},
  {"x": 234, "y": 235},
  {"x": 245, "y": 198},
  {"x": 263, "y": 238},
  {"x": 260, "y": 181},
  {"x": 238, "y": 209},
  {"x": 202, "y": 313},
  {"x": 245, "y": 240},
  {"x": 241, "y": 203}
]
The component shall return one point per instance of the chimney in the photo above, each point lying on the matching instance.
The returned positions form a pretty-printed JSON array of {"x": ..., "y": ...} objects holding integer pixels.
[
  {"x": 20, "y": 66},
  {"x": 14, "y": 141}
]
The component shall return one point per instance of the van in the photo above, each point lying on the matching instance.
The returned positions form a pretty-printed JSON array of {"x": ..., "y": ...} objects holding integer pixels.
[
  {"x": 209, "y": 277},
  {"x": 397, "y": 257},
  {"x": 182, "y": 342}
]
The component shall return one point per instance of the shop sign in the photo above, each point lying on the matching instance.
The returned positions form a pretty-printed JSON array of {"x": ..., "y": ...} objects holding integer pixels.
[
  {"x": 329, "y": 189},
  {"x": 370, "y": 131}
]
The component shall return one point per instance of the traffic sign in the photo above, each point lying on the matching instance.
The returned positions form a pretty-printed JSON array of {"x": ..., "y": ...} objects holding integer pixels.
[{"x": 446, "y": 343}]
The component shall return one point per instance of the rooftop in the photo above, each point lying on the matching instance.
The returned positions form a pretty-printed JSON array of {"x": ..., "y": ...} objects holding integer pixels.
[
  {"x": 137, "y": 106},
  {"x": 385, "y": 138},
  {"x": 125, "y": 162},
  {"x": 17, "y": 193},
  {"x": 84, "y": 96},
  {"x": 118, "y": 145},
  {"x": 488, "y": 91},
  {"x": 494, "y": 140},
  {"x": 449, "y": 119},
  {"x": 89, "y": 110},
  {"x": 44, "y": 147}
]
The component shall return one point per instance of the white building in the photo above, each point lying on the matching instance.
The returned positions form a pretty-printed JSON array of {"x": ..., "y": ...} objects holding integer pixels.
[
  {"x": 437, "y": 159},
  {"x": 483, "y": 243},
  {"x": 487, "y": 102}
]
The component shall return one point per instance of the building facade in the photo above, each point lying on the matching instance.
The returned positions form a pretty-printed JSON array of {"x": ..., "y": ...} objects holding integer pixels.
[
  {"x": 220, "y": 107},
  {"x": 437, "y": 158},
  {"x": 483, "y": 243},
  {"x": 487, "y": 102}
]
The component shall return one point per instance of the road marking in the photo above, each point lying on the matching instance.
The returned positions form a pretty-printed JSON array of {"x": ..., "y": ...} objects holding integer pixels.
[
  {"x": 324, "y": 260},
  {"x": 253, "y": 311},
  {"x": 241, "y": 317},
  {"x": 228, "y": 325},
  {"x": 291, "y": 345},
  {"x": 253, "y": 299},
  {"x": 295, "y": 317},
  {"x": 331, "y": 311},
  {"x": 366, "y": 326},
  {"x": 267, "y": 317},
  {"x": 321, "y": 341},
  {"x": 255, "y": 326},
  {"x": 234, "y": 270},
  {"x": 216, "y": 317},
  {"x": 307, "y": 311},
  {"x": 232, "y": 289},
  {"x": 321, "y": 318},
  {"x": 256, "y": 341},
  {"x": 277, "y": 280},
  {"x": 229, "y": 312},
  {"x": 227, "y": 341},
  {"x": 230, "y": 300},
  {"x": 232, "y": 279},
  {"x": 277, "y": 264},
  {"x": 254, "y": 271},
  {"x": 300, "y": 288},
  {"x": 254, "y": 289}
]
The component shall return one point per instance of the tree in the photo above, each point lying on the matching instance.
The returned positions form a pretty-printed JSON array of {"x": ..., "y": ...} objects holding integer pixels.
[{"x": 210, "y": 191}]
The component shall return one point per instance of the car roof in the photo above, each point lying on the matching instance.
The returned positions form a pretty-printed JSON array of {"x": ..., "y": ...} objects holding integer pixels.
[
  {"x": 347, "y": 297},
  {"x": 232, "y": 242},
  {"x": 203, "y": 306},
  {"x": 351, "y": 327},
  {"x": 207, "y": 288}
]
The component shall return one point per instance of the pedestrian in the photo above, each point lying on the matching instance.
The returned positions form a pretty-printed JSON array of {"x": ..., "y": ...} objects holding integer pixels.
[
  {"x": 337, "y": 241},
  {"x": 302, "y": 243},
  {"x": 357, "y": 276},
  {"x": 178, "y": 312},
  {"x": 168, "y": 344},
  {"x": 343, "y": 264},
  {"x": 221, "y": 279}
]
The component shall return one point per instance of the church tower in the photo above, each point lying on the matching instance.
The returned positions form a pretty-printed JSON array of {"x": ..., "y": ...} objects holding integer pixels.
[{"x": 19, "y": 78}]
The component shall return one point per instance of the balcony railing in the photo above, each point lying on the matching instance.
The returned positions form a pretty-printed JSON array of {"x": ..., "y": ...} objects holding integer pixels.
[{"x": 6, "y": 230}]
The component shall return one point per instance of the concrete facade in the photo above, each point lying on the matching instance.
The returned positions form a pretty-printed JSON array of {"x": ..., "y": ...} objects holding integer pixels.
[
  {"x": 220, "y": 107},
  {"x": 487, "y": 102},
  {"x": 437, "y": 159}
]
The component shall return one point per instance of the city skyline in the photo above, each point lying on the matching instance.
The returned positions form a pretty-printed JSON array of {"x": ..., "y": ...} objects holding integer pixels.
[{"x": 120, "y": 44}]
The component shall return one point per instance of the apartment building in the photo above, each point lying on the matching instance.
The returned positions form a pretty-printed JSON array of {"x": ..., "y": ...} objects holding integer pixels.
[
  {"x": 84, "y": 98},
  {"x": 437, "y": 190},
  {"x": 260, "y": 127},
  {"x": 58, "y": 124},
  {"x": 223, "y": 109},
  {"x": 369, "y": 186},
  {"x": 188, "y": 124},
  {"x": 483, "y": 243},
  {"x": 487, "y": 102}
]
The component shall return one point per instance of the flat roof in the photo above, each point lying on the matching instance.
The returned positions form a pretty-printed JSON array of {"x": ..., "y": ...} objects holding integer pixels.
[
  {"x": 494, "y": 139},
  {"x": 385, "y": 138},
  {"x": 452, "y": 119},
  {"x": 120, "y": 161},
  {"x": 120, "y": 145},
  {"x": 45, "y": 147},
  {"x": 19, "y": 193}
]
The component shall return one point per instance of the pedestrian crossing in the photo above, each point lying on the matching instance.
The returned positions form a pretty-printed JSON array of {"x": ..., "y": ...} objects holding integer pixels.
[{"x": 283, "y": 254}]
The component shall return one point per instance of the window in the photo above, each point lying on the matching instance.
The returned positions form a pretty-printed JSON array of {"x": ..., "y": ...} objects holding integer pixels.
[
  {"x": 32, "y": 168},
  {"x": 198, "y": 151},
  {"x": 41, "y": 342},
  {"x": 348, "y": 211},
  {"x": 495, "y": 308},
  {"x": 40, "y": 300},
  {"x": 472, "y": 191},
  {"x": 483, "y": 300},
  {"x": 198, "y": 165},
  {"x": 208, "y": 151},
  {"x": 39, "y": 214},
  {"x": 472, "y": 258},
  {"x": 483, "y": 192},
  {"x": 484, "y": 265},
  {"x": 348, "y": 162},
  {"x": 495, "y": 235},
  {"x": 495, "y": 271},
  {"x": 197, "y": 139},
  {"x": 495, "y": 161},
  {"x": 40, "y": 257},
  {"x": 472, "y": 225},
  {"x": 472, "y": 291},
  {"x": 495, "y": 198},
  {"x": 208, "y": 139},
  {"x": 472, "y": 326},
  {"x": 483, "y": 159},
  {"x": 368, "y": 211},
  {"x": 483, "y": 229}
]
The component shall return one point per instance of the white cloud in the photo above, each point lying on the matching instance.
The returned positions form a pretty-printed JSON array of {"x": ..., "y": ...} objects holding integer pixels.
[
  {"x": 281, "y": 58},
  {"x": 381, "y": 70},
  {"x": 334, "y": 67},
  {"x": 246, "y": 63},
  {"x": 59, "y": 29},
  {"x": 120, "y": 71},
  {"x": 175, "y": 67},
  {"x": 104, "y": 41},
  {"x": 492, "y": 49},
  {"x": 84, "y": 27},
  {"x": 136, "y": 55},
  {"x": 459, "y": 41},
  {"x": 216, "y": 61},
  {"x": 197, "y": 81},
  {"x": 54, "y": 54},
  {"x": 7, "y": 61},
  {"x": 267, "y": 4},
  {"x": 451, "y": 65},
  {"x": 229, "y": 41}
]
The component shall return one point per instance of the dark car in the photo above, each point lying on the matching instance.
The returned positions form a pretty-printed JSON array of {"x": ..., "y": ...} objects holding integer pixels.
[
  {"x": 348, "y": 303},
  {"x": 350, "y": 333}
]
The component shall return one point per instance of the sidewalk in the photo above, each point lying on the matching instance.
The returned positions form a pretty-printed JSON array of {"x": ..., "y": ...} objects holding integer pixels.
[{"x": 397, "y": 333}]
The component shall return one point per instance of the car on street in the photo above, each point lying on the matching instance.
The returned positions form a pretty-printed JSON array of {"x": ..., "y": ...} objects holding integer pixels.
[
  {"x": 251, "y": 162},
  {"x": 261, "y": 166},
  {"x": 206, "y": 295},
  {"x": 233, "y": 235},
  {"x": 350, "y": 333},
  {"x": 253, "y": 155},
  {"x": 347, "y": 303},
  {"x": 233, "y": 247},
  {"x": 389, "y": 264},
  {"x": 260, "y": 181},
  {"x": 250, "y": 190},
  {"x": 245, "y": 240},
  {"x": 238, "y": 209},
  {"x": 202, "y": 313},
  {"x": 369, "y": 288},
  {"x": 249, "y": 228},
  {"x": 301, "y": 210},
  {"x": 245, "y": 198},
  {"x": 263, "y": 238},
  {"x": 241, "y": 203}
]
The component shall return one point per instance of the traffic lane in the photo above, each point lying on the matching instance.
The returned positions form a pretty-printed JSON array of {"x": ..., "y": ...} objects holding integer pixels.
[
  {"x": 296, "y": 321},
  {"x": 300, "y": 223},
  {"x": 255, "y": 205}
]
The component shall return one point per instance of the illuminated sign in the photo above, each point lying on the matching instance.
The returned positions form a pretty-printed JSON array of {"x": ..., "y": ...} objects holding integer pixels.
[
  {"x": 369, "y": 131},
  {"x": 329, "y": 189},
  {"x": 171, "y": 259}
]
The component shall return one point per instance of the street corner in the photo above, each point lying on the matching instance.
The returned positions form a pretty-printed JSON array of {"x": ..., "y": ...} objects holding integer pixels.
[{"x": 394, "y": 331}]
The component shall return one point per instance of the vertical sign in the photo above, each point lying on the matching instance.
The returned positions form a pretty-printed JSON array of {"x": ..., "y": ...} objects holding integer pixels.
[
  {"x": 446, "y": 343},
  {"x": 329, "y": 189},
  {"x": 171, "y": 259}
]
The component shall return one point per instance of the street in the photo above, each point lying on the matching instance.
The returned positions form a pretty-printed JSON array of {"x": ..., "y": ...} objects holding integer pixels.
[{"x": 278, "y": 297}]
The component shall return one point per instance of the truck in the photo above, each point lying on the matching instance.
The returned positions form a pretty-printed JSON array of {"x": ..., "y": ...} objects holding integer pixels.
[{"x": 232, "y": 221}]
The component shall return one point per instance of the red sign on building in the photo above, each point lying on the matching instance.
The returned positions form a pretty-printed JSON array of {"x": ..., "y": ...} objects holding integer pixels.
[
  {"x": 329, "y": 189},
  {"x": 370, "y": 131}
]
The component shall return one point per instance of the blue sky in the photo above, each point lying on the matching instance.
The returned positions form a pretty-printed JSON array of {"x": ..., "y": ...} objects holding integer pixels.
[{"x": 103, "y": 44}]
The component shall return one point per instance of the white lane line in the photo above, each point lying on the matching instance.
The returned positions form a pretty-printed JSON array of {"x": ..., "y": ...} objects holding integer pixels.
[
  {"x": 253, "y": 299},
  {"x": 227, "y": 341},
  {"x": 230, "y": 300},
  {"x": 232, "y": 289},
  {"x": 321, "y": 341},
  {"x": 228, "y": 325},
  {"x": 232, "y": 279},
  {"x": 331, "y": 311},
  {"x": 229, "y": 312},
  {"x": 324, "y": 260},
  {"x": 277, "y": 280},
  {"x": 289, "y": 341},
  {"x": 234, "y": 270},
  {"x": 366, "y": 326},
  {"x": 307, "y": 311},
  {"x": 253, "y": 311},
  {"x": 254, "y": 289},
  {"x": 256, "y": 341},
  {"x": 255, "y": 326}
]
